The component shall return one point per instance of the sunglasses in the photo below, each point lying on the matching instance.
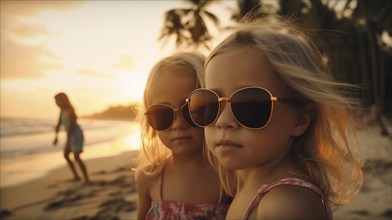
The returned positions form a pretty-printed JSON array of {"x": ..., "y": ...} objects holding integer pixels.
[
  {"x": 161, "y": 117},
  {"x": 251, "y": 107}
]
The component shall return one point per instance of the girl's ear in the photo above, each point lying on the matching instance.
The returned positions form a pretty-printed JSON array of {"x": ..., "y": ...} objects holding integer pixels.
[{"x": 304, "y": 117}]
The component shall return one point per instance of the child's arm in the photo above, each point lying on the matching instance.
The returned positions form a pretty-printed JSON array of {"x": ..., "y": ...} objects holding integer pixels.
[
  {"x": 143, "y": 192},
  {"x": 57, "y": 128}
]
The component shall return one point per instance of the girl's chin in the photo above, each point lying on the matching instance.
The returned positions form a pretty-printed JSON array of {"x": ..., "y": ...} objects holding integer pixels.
[{"x": 230, "y": 163}]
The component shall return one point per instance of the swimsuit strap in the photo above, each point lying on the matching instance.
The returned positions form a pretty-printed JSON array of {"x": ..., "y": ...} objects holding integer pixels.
[{"x": 286, "y": 181}]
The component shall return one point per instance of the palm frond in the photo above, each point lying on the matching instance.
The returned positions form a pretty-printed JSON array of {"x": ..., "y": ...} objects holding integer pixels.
[{"x": 212, "y": 17}]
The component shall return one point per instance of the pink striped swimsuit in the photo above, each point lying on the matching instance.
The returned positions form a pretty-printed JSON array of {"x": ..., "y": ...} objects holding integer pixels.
[
  {"x": 173, "y": 210},
  {"x": 264, "y": 189}
]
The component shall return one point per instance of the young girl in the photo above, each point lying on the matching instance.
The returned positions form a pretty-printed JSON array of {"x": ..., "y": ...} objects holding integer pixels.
[
  {"x": 75, "y": 138},
  {"x": 177, "y": 181},
  {"x": 275, "y": 117}
]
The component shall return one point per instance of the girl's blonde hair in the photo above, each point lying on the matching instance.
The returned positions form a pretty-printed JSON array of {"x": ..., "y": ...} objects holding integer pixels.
[
  {"x": 323, "y": 151},
  {"x": 154, "y": 153}
]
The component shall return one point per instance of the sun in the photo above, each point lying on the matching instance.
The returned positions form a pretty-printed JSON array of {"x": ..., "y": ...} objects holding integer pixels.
[
  {"x": 133, "y": 141},
  {"x": 130, "y": 87}
]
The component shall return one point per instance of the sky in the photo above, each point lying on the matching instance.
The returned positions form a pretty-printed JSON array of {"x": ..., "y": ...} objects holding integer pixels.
[{"x": 98, "y": 52}]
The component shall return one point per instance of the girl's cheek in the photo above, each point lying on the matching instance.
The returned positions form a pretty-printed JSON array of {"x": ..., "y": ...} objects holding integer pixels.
[{"x": 209, "y": 136}]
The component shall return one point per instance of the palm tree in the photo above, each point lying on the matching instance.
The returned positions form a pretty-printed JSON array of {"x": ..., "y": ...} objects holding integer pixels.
[
  {"x": 249, "y": 9},
  {"x": 372, "y": 19},
  {"x": 188, "y": 25},
  {"x": 350, "y": 37}
]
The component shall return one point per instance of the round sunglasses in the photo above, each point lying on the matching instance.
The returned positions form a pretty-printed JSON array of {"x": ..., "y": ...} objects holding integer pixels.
[
  {"x": 251, "y": 107},
  {"x": 161, "y": 117}
]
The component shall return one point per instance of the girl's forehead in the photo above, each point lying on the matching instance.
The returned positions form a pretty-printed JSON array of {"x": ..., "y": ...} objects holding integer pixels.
[
  {"x": 237, "y": 63},
  {"x": 236, "y": 56},
  {"x": 171, "y": 88},
  {"x": 229, "y": 72},
  {"x": 171, "y": 78}
]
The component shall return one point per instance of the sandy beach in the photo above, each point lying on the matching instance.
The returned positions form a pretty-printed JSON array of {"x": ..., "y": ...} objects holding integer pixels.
[
  {"x": 112, "y": 194},
  {"x": 374, "y": 200}
]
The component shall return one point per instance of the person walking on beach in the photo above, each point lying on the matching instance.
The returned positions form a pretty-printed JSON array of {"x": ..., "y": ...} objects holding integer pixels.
[
  {"x": 75, "y": 138},
  {"x": 277, "y": 124},
  {"x": 176, "y": 181}
]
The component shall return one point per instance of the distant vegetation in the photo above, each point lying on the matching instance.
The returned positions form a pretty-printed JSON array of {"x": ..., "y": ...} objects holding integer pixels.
[{"x": 117, "y": 113}]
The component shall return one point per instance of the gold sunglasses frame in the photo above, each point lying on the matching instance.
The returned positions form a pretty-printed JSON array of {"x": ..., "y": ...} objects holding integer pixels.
[{"x": 226, "y": 99}]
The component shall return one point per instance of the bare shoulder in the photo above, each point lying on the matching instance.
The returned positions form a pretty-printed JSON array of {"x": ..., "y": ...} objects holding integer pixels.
[
  {"x": 142, "y": 178},
  {"x": 146, "y": 191},
  {"x": 140, "y": 175},
  {"x": 147, "y": 185},
  {"x": 291, "y": 202}
]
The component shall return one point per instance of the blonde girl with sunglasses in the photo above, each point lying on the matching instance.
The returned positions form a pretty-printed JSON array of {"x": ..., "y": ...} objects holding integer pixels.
[
  {"x": 277, "y": 125},
  {"x": 176, "y": 181}
]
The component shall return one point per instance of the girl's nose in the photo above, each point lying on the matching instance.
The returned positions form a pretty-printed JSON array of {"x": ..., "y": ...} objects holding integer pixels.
[
  {"x": 225, "y": 117},
  {"x": 178, "y": 121}
]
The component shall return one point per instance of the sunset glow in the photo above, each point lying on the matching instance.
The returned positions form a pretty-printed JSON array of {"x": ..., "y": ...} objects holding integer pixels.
[{"x": 98, "y": 52}]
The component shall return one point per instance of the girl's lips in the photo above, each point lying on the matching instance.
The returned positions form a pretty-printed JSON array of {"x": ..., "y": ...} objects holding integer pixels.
[
  {"x": 227, "y": 143},
  {"x": 182, "y": 138}
]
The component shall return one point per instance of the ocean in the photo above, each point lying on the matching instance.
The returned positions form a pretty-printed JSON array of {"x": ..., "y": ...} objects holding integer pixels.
[{"x": 27, "y": 151}]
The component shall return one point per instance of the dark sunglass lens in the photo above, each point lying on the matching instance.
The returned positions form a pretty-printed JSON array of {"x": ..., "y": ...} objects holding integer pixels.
[
  {"x": 203, "y": 107},
  {"x": 160, "y": 117},
  {"x": 186, "y": 116},
  {"x": 252, "y": 107}
]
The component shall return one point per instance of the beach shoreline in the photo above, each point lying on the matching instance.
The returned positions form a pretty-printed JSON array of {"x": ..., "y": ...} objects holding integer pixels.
[
  {"x": 30, "y": 156},
  {"x": 112, "y": 193}
]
